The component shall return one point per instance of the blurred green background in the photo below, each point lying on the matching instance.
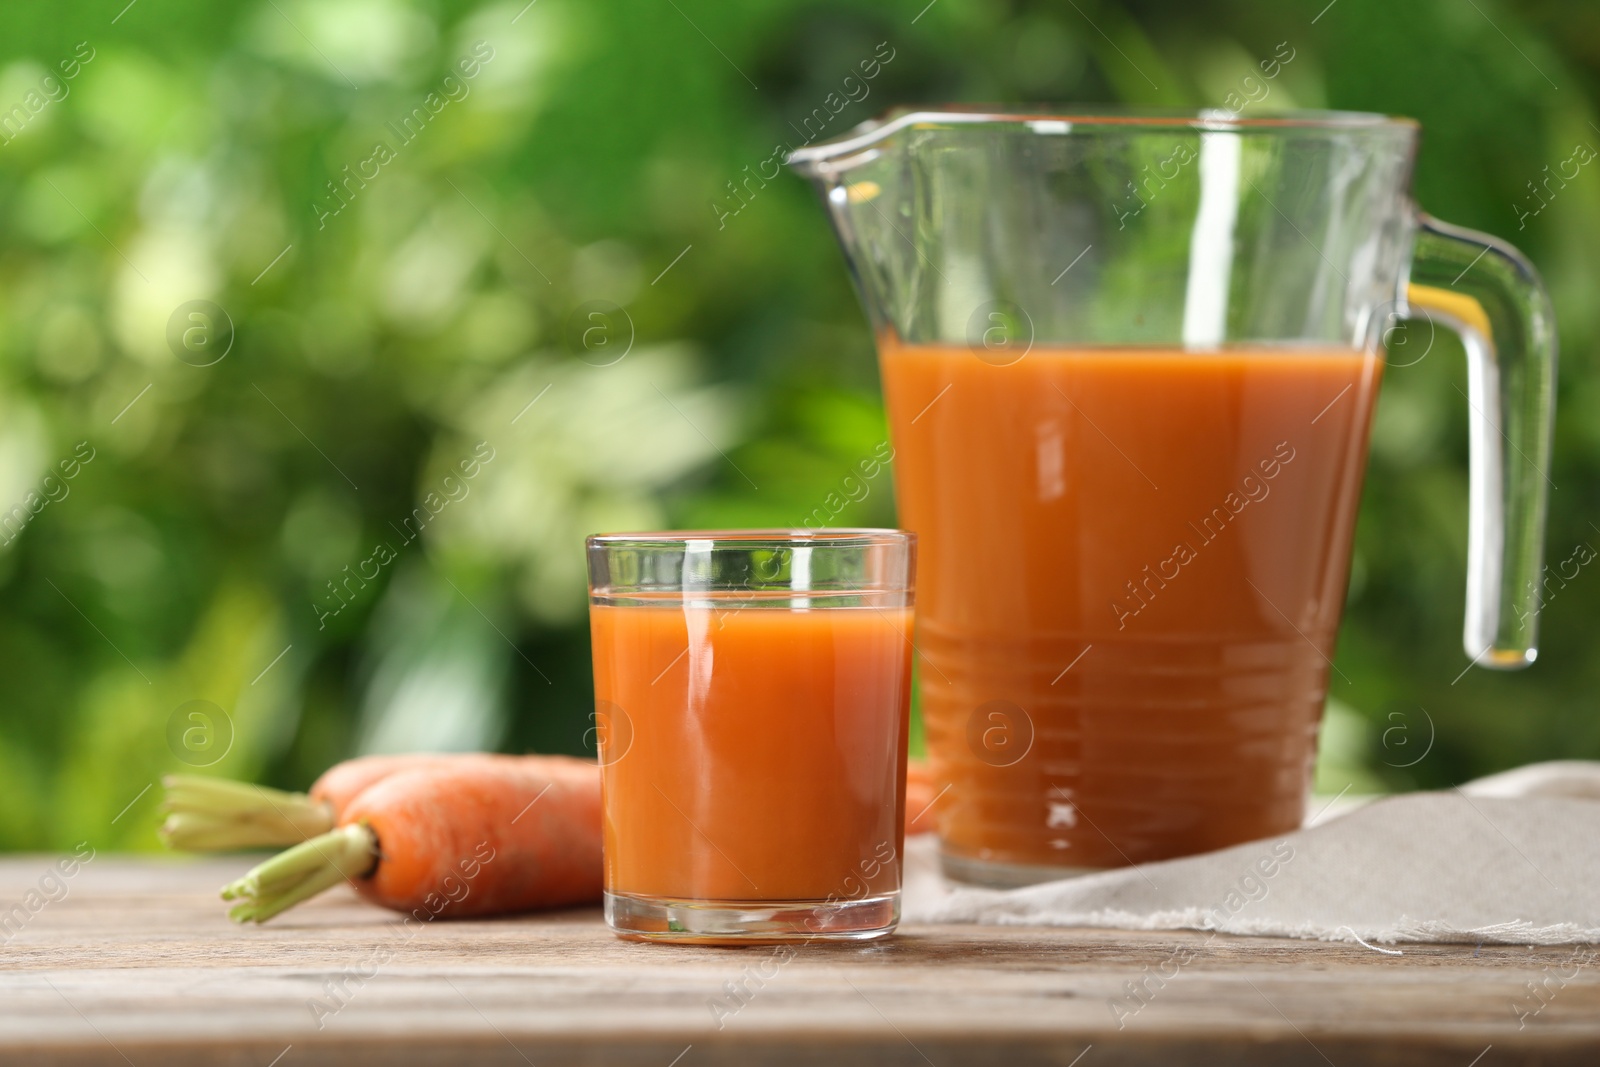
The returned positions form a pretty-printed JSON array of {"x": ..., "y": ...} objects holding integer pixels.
[{"x": 244, "y": 534}]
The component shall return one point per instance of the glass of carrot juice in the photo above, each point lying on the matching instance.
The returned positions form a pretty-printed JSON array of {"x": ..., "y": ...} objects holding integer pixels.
[{"x": 752, "y": 689}]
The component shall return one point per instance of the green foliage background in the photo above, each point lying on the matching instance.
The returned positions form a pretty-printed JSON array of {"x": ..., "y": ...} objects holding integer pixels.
[{"x": 376, "y": 347}]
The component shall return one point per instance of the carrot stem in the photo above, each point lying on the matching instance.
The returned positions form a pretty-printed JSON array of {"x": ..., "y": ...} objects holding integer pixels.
[
  {"x": 302, "y": 872},
  {"x": 214, "y": 814}
]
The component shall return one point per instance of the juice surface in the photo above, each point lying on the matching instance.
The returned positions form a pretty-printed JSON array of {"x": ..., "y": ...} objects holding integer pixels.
[
  {"x": 759, "y": 753},
  {"x": 1132, "y": 567}
]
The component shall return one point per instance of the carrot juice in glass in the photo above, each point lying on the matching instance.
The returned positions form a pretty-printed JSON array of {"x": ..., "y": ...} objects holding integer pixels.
[{"x": 752, "y": 690}]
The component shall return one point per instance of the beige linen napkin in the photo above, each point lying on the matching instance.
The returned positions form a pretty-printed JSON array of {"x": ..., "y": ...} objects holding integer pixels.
[{"x": 1513, "y": 858}]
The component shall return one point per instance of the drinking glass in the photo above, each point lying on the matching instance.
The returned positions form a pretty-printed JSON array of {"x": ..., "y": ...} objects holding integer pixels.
[
  {"x": 1130, "y": 362},
  {"x": 752, "y": 691}
]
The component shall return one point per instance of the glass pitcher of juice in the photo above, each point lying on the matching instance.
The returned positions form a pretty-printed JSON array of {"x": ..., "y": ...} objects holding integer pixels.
[{"x": 1130, "y": 362}]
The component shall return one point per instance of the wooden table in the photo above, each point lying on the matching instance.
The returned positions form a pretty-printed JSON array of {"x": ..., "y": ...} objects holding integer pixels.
[{"x": 138, "y": 965}]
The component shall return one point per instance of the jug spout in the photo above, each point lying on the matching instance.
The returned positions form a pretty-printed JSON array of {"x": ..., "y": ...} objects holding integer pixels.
[{"x": 866, "y": 183}]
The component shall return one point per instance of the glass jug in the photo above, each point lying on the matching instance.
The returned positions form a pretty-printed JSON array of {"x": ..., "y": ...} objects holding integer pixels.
[{"x": 1130, "y": 363}]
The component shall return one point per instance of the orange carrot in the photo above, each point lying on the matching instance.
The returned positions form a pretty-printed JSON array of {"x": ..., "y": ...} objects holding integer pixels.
[
  {"x": 343, "y": 782},
  {"x": 478, "y": 838},
  {"x": 467, "y": 836},
  {"x": 210, "y": 814}
]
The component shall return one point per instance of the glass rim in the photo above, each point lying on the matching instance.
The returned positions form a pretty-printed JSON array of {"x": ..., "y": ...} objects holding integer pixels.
[
  {"x": 838, "y": 536},
  {"x": 1066, "y": 118}
]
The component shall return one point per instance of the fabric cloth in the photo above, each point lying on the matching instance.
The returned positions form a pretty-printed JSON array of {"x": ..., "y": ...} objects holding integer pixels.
[{"x": 1514, "y": 858}]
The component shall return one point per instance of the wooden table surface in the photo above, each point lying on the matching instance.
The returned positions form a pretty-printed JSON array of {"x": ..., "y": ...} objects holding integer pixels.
[{"x": 138, "y": 965}]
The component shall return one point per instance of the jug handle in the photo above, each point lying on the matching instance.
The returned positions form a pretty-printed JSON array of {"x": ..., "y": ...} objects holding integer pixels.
[{"x": 1489, "y": 294}]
